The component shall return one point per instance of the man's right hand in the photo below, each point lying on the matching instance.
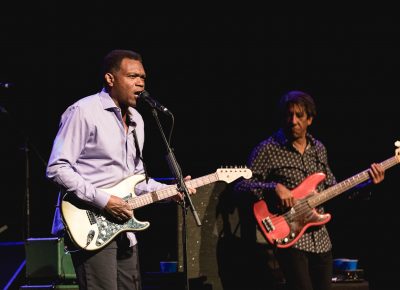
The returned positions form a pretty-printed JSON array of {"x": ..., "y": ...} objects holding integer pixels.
[
  {"x": 119, "y": 208},
  {"x": 284, "y": 195}
]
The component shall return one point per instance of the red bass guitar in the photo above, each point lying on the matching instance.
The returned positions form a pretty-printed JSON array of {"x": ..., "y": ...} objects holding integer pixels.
[{"x": 283, "y": 230}]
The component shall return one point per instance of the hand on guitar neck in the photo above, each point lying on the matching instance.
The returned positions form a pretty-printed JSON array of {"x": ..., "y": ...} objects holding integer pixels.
[
  {"x": 377, "y": 173},
  {"x": 179, "y": 197}
]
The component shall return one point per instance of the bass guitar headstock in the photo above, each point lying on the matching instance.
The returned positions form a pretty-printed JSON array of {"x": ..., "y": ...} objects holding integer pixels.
[{"x": 397, "y": 151}]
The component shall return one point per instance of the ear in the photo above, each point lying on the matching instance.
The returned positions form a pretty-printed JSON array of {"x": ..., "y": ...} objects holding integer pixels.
[
  {"x": 109, "y": 79},
  {"x": 309, "y": 120}
]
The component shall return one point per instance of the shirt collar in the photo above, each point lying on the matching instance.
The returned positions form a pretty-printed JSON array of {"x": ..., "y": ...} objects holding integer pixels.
[
  {"x": 106, "y": 100},
  {"x": 108, "y": 103}
]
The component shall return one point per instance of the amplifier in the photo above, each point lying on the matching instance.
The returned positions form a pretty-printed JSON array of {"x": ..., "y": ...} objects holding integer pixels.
[{"x": 47, "y": 260}]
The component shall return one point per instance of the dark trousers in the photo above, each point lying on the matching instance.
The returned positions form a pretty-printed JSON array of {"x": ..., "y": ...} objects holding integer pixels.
[
  {"x": 305, "y": 270},
  {"x": 114, "y": 267}
]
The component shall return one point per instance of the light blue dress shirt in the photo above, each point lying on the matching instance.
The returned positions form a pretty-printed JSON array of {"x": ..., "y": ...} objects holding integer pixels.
[{"x": 92, "y": 150}]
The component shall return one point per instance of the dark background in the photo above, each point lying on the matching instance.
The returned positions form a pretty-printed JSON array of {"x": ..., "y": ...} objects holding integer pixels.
[{"x": 221, "y": 72}]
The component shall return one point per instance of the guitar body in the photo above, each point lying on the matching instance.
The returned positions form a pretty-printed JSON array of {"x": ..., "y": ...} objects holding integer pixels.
[
  {"x": 284, "y": 230},
  {"x": 92, "y": 229}
]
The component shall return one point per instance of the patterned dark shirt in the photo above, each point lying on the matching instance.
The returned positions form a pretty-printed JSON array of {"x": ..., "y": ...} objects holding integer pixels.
[{"x": 274, "y": 161}]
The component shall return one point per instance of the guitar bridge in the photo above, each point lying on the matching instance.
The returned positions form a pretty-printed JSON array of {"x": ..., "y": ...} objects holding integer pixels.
[{"x": 268, "y": 224}]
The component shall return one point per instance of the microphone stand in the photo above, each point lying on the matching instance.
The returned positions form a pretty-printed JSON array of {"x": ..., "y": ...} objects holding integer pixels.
[
  {"x": 25, "y": 148},
  {"x": 177, "y": 173}
]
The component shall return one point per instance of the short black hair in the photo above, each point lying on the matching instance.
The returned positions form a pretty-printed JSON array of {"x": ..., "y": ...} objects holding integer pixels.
[
  {"x": 113, "y": 59},
  {"x": 298, "y": 98}
]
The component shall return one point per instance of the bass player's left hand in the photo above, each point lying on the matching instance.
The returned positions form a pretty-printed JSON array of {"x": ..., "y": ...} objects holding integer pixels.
[{"x": 377, "y": 173}]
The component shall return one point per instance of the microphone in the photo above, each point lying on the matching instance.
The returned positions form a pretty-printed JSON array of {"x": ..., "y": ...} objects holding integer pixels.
[
  {"x": 144, "y": 95},
  {"x": 6, "y": 85}
]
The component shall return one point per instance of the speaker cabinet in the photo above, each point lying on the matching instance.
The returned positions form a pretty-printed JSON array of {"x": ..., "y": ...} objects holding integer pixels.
[
  {"x": 47, "y": 260},
  {"x": 226, "y": 251}
]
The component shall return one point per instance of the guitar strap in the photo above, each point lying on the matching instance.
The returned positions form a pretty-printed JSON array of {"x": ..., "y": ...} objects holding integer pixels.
[{"x": 139, "y": 153}]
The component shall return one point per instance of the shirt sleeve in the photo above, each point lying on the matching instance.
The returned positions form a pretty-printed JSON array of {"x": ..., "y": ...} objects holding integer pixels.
[
  {"x": 73, "y": 133},
  {"x": 258, "y": 164},
  {"x": 152, "y": 185}
]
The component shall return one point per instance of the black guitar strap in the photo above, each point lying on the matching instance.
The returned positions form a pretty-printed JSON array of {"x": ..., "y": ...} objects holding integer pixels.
[{"x": 139, "y": 153}]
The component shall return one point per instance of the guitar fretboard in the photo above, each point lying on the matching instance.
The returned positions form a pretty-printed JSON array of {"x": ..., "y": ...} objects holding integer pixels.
[
  {"x": 148, "y": 198},
  {"x": 347, "y": 184}
]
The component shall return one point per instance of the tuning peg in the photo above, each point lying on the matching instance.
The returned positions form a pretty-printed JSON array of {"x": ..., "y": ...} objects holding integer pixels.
[{"x": 397, "y": 143}]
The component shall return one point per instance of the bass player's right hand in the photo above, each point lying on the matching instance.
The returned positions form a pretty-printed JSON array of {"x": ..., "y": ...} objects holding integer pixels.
[{"x": 285, "y": 196}]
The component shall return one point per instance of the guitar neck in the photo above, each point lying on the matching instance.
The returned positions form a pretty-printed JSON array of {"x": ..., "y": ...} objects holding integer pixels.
[
  {"x": 148, "y": 198},
  {"x": 347, "y": 184}
]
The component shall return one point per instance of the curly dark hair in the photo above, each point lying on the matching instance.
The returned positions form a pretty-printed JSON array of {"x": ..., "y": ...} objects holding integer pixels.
[{"x": 298, "y": 98}]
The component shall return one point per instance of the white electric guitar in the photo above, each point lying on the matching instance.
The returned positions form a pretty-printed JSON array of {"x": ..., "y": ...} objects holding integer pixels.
[{"x": 92, "y": 229}]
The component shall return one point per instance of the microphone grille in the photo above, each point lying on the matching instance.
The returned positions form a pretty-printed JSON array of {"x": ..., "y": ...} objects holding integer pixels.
[{"x": 144, "y": 94}]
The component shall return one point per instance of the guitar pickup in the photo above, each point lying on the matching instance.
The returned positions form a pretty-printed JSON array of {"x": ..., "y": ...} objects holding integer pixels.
[
  {"x": 268, "y": 224},
  {"x": 91, "y": 217}
]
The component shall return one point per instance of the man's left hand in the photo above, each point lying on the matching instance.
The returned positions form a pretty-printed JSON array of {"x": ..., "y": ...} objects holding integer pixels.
[
  {"x": 377, "y": 173},
  {"x": 179, "y": 196}
]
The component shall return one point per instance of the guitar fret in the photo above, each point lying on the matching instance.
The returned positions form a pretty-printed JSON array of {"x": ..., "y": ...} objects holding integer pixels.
[
  {"x": 154, "y": 197},
  {"x": 171, "y": 191},
  {"x": 199, "y": 182},
  {"x": 203, "y": 180}
]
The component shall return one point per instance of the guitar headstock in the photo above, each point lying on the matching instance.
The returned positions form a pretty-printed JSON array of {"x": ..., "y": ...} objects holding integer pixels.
[
  {"x": 230, "y": 174},
  {"x": 397, "y": 151}
]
